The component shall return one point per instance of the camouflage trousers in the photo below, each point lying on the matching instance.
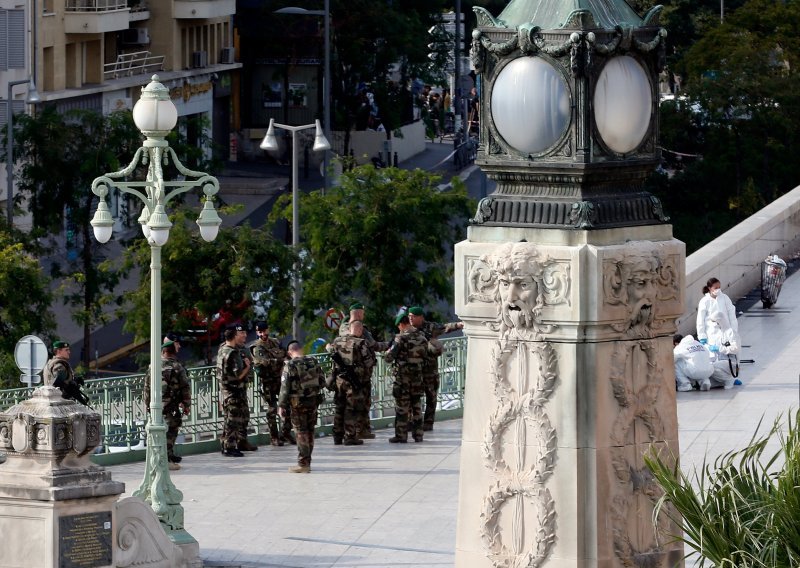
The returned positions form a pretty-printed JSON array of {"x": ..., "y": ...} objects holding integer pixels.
[
  {"x": 269, "y": 397},
  {"x": 430, "y": 382},
  {"x": 348, "y": 411},
  {"x": 407, "y": 403},
  {"x": 236, "y": 412},
  {"x": 173, "y": 421},
  {"x": 364, "y": 421},
  {"x": 304, "y": 421}
]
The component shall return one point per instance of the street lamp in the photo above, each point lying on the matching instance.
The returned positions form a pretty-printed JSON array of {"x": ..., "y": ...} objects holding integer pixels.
[
  {"x": 270, "y": 144},
  {"x": 326, "y": 75},
  {"x": 33, "y": 98},
  {"x": 155, "y": 115}
]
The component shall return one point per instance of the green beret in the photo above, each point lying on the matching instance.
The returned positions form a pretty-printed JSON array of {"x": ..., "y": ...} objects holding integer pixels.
[
  {"x": 356, "y": 306},
  {"x": 60, "y": 345},
  {"x": 416, "y": 310},
  {"x": 167, "y": 343},
  {"x": 399, "y": 317}
]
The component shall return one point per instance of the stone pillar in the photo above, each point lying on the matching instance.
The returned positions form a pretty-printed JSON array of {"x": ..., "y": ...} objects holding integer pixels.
[
  {"x": 56, "y": 507},
  {"x": 569, "y": 382}
]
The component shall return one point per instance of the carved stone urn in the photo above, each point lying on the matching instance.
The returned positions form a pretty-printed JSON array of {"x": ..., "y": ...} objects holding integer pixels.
[{"x": 569, "y": 285}]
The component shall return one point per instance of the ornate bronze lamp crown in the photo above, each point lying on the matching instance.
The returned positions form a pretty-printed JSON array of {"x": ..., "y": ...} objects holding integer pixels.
[{"x": 569, "y": 113}]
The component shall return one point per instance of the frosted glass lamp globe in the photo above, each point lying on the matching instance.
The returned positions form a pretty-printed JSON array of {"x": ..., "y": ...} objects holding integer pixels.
[{"x": 623, "y": 102}]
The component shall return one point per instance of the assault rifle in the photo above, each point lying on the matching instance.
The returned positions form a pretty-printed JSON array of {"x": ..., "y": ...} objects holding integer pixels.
[
  {"x": 348, "y": 370},
  {"x": 72, "y": 390}
]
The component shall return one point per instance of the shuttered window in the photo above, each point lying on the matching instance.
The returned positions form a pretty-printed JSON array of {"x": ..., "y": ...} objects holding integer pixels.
[
  {"x": 17, "y": 107},
  {"x": 12, "y": 39}
]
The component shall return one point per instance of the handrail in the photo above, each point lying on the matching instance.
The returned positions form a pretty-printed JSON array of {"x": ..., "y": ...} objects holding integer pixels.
[
  {"x": 120, "y": 400},
  {"x": 95, "y": 5},
  {"x": 135, "y": 63}
]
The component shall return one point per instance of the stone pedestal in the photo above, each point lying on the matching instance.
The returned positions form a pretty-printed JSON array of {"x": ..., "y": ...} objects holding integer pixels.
[{"x": 570, "y": 381}]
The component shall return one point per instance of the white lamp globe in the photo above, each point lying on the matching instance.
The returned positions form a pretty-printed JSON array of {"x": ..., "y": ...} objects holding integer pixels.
[
  {"x": 623, "y": 103},
  {"x": 530, "y": 105},
  {"x": 154, "y": 112}
]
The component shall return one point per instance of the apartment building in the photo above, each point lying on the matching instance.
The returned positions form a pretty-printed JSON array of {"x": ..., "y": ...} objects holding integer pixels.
[{"x": 97, "y": 54}]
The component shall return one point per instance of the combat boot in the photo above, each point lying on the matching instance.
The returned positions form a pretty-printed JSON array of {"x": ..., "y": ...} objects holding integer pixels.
[
  {"x": 337, "y": 441},
  {"x": 246, "y": 446},
  {"x": 288, "y": 439},
  {"x": 353, "y": 442},
  {"x": 397, "y": 440},
  {"x": 275, "y": 441},
  {"x": 300, "y": 469},
  {"x": 173, "y": 466},
  {"x": 417, "y": 438},
  {"x": 232, "y": 453},
  {"x": 367, "y": 435}
]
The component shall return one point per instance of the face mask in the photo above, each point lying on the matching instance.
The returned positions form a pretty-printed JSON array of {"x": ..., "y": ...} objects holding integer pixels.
[{"x": 714, "y": 293}]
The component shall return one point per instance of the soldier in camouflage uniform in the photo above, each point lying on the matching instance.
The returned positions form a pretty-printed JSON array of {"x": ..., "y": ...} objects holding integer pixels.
[
  {"x": 232, "y": 373},
  {"x": 247, "y": 357},
  {"x": 408, "y": 354},
  {"x": 302, "y": 382},
  {"x": 352, "y": 361},
  {"x": 268, "y": 359},
  {"x": 58, "y": 372},
  {"x": 430, "y": 373},
  {"x": 364, "y": 426},
  {"x": 176, "y": 397}
]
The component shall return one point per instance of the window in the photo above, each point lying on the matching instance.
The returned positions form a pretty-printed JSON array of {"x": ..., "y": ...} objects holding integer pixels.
[{"x": 12, "y": 39}]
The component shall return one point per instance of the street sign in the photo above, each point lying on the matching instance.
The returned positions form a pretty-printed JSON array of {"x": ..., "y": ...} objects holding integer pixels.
[
  {"x": 30, "y": 354},
  {"x": 333, "y": 319}
]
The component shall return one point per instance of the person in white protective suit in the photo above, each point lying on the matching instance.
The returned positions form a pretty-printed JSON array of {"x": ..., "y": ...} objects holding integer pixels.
[
  {"x": 718, "y": 329},
  {"x": 693, "y": 366}
]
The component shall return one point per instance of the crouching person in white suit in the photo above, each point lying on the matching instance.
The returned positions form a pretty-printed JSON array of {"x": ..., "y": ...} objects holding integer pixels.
[{"x": 693, "y": 365}]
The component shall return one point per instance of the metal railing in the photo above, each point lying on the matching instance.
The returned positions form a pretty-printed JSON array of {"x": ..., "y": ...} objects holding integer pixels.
[
  {"x": 95, "y": 5},
  {"x": 136, "y": 63},
  {"x": 120, "y": 402}
]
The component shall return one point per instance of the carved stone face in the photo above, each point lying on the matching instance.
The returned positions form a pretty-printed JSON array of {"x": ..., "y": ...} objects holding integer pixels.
[
  {"x": 518, "y": 299},
  {"x": 641, "y": 289}
]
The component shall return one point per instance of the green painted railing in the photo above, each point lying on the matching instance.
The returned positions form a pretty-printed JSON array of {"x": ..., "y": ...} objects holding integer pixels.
[{"x": 120, "y": 403}]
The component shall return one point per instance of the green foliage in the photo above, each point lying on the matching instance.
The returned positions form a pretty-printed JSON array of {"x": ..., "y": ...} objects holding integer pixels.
[
  {"x": 24, "y": 302},
  {"x": 202, "y": 276},
  {"x": 382, "y": 236},
  {"x": 743, "y": 510}
]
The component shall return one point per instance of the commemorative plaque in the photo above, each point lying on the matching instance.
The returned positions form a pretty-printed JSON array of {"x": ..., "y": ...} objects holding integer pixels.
[{"x": 85, "y": 540}]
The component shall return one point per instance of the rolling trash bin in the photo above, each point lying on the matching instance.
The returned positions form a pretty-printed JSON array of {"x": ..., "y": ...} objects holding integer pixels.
[{"x": 773, "y": 275}]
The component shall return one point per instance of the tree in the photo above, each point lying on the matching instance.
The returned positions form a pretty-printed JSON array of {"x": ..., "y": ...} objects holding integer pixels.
[
  {"x": 61, "y": 155},
  {"x": 24, "y": 302},
  {"x": 200, "y": 278},
  {"x": 383, "y": 236}
]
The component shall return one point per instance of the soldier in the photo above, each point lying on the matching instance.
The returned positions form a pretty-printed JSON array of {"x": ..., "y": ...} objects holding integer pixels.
[
  {"x": 302, "y": 382},
  {"x": 351, "y": 356},
  {"x": 364, "y": 426},
  {"x": 244, "y": 443},
  {"x": 232, "y": 373},
  {"x": 430, "y": 373},
  {"x": 268, "y": 359},
  {"x": 58, "y": 373},
  {"x": 408, "y": 354},
  {"x": 176, "y": 397}
]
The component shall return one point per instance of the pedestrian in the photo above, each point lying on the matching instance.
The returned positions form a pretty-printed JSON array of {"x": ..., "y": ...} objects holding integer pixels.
[
  {"x": 430, "y": 373},
  {"x": 693, "y": 365},
  {"x": 351, "y": 359},
  {"x": 302, "y": 382},
  {"x": 408, "y": 354},
  {"x": 232, "y": 373},
  {"x": 244, "y": 444},
  {"x": 176, "y": 397},
  {"x": 58, "y": 373},
  {"x": 718, "y": 328},
  {"x": 268, "y": 360},
  {"x": 357, "y": 313}
]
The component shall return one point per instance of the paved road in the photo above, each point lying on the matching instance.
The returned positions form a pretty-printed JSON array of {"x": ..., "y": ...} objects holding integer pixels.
[{"x": 395, "y": 505}]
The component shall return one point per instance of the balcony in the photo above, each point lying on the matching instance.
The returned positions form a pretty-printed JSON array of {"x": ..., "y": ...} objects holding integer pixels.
[
  {"x": 204, "y": 9},
  {"x": 137, "y": 63},
  {"x": 96, "y": 16},
  {"x": 140, "y": 10}
]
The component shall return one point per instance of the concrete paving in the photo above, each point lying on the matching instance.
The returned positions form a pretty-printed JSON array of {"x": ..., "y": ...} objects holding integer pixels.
[{"x": 383, "y": 504}]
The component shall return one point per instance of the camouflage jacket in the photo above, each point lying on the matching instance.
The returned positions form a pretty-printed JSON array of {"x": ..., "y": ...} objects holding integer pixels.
[
  {"x": 373, "y": 345},
  {"x": 229, "y": 366},
  {"x": 58, "y": 370},
  {"x": 356, "y": 353},
  {"x": 408, "y": 356},
  {"x": 268, "y": 358},
  {"x": 175, "y": 387},
  {"x": 432, "y": 330},
  {"x": 302, "y": 381}
]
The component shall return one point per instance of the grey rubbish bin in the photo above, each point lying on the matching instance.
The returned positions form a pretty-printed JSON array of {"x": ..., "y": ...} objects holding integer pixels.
[{"x": 773, "y": 275}]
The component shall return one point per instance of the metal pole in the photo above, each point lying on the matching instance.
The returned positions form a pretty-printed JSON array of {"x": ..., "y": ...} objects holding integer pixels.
[
  {"x": 721, "y": 11},
  {"x": 326, "y": 90},
  {"x": 10, "y": 152},
  {"x": 295, "y": 240},
  {"x": 456, "y": 95}
]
